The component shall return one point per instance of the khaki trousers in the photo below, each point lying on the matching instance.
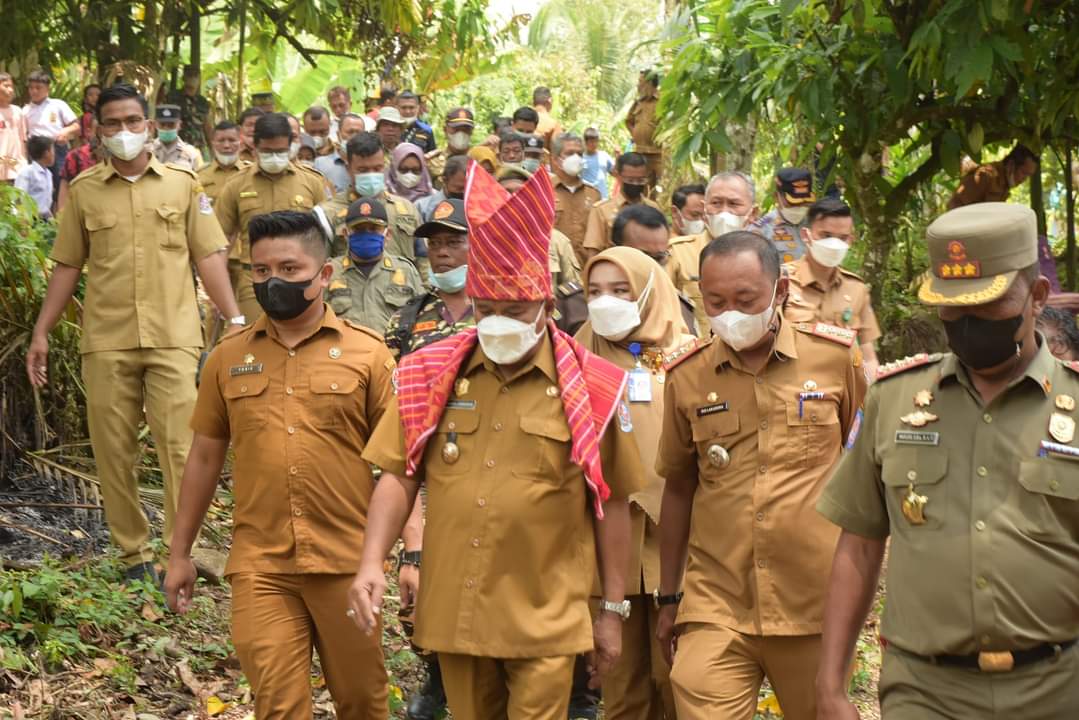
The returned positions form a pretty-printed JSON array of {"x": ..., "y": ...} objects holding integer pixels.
[
  {"x": 718, "y": 673},
  {"x": 480, "y": 688},
  {"x": 913, "y": 689},
  {"x": 240, "y": 277},
  {"x": 123, "y": 387},
  {"x": 278, "y": 619},
  {"x": 639, "y": 685},
  {"x": 655, "y": 171}
]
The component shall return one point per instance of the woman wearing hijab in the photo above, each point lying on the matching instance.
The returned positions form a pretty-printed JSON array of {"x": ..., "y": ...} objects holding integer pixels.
[
  {"x": 635, "y": 321},
  {"x": 486, "y": 157},
  {"x": 407, "y": 175}
]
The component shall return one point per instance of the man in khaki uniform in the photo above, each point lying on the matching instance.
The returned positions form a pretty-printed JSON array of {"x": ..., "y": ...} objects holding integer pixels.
[
  {"x": 967, "y": 462},
  {"x": 365, "y": 162},
  {"x": 488, "y": 419},
  {"x": 369, "y": 284},
  {"x": 632, "y": 171},
  {"x": 136, "y": 225},
  {"x": 993, "y": 182},
  {"x": 297, "y": 395},
  {"x": 821, "y": 289},
  {"x": 225, "y": 143},
  {"x": 754, "y": 420},
  {"x": 247, "y": 121},
  {"x": 547, "y": 127},
  {"x": 573, "y": 198},
  {"x": 168, "y": 147},
  {"x": 460, "y": 123},
  {"x": 730, "y": 204},
  {"x": 642, "y": 125},
  {"x": 272, "y": 183}
]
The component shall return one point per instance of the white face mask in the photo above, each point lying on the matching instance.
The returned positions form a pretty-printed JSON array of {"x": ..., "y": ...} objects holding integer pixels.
[
  {"x": 691, "y": 227},
  {"x": 460, "y": 140},
  {"x": 740, "y": 330},
  {"x": 293, "y": 150},
  {"x": 505, "y": 340},
  {"x": 572, "y": 165},
  {"x": 226, "y": 160},
  {"x": 614, "y": 318},
  {"x": 273, "y": 163},
  {"x": 794, "y": 215},
  {"x": 125, "y": 144},
  {"x": 408, "y": 180},
  {"x": 829, "y": 251},
  {"x": 319, "y": 141},
  {"x": 725, "y": 222}
]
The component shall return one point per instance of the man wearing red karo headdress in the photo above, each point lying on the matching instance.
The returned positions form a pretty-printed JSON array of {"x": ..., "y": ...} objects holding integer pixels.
[{"x": 525, "y": 444}]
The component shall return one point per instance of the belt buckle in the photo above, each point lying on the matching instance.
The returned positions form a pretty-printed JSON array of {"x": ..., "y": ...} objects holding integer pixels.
[{"x": 996, "y": 662}]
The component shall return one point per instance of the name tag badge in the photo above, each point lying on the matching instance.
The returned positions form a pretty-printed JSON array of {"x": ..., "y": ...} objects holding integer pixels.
[
  {"x": 913, "y": 437},
  {"x": 249, "y": 369},
  {"x": 640, "y": 386},
  {"x": 712, "y": 409},
  {"x": 461, "y": 405}
]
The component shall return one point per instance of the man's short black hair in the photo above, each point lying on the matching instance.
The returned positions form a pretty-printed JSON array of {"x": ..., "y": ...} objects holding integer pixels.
[
  {"x": 226, "y": 125},
  {"x": 408, "y": 95},
  {"x": 1064, "y": 323},
  {"x": 38, "y": 146},
  {"x": 740, "y": 241},
  {"x": 272, "y": 125},
  {"x": 363, "y": 144},
  {"x": 681, "y": 194},
  {"x": 511, "y": 137},
  {"x": 541, "y": 95},
  {"x": 303, "y": 226},
  {"x": 455, "y": 164},
  {"x": 827, "y": 207},
  {"x": 315, "y": 112},
  {"x": 39, "y": 76},
  {"x": 526, "y": 114},
  {"x": 501, "y": 125},
  {"x": 249, "y": 113},
  {"x": 641, "y": 214},
  {"x": 630, "y": 159},
  {"x": 1020, "y": 155},
  {"x": 118, "y": 92}
]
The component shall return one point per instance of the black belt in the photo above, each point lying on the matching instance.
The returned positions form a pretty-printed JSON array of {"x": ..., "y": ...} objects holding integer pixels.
[{"x": 1003, "y": 661}]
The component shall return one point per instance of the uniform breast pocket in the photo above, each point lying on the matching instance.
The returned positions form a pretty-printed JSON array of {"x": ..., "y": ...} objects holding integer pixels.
[
  {"x": 1049, "y": 500},
  {"x": 813, "y": 432},
  {"x": 247, "y": 399},
  {"x": 173, "y": 233},
  {"x": 334, "y": 402},
  {"x": 340, "y": 300},
  {"x": 715, "y": 435},
  {"x": 548, "y": 448},
  {"x": 248, "y": 207},
  {"x": 916, "y": 496},
  {"x": 452, "y": 450},
  {"x": 99, "y": 225},
  {"x": 398, "y": 295}
]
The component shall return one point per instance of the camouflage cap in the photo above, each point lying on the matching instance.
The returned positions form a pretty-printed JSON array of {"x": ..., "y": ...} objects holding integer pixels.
[{"x": 976, "y": 251}]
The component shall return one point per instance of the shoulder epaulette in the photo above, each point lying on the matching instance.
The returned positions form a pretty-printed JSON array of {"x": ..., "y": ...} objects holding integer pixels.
[
  {"x": 854, "y": 275},
  {"x": 88, "y": 172},
  {"x": 1072, "y": 365},
  {"x": 836, "y": 334},
  {"x": 910, "y": 362},
  {"x": 569, "y": 288},
  {"x": 679, "y": 356},
  {"x": 182, "y": 168},
  {"x": 678, "y": 240},
  {"x": 362, "y": 328}
]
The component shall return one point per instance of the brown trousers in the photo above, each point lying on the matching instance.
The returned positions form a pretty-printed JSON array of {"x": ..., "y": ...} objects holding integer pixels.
[
  {"x": 718, "y": 672},
  {"x": 639, "y": 685},
  {"x": 277, "y": 619},
  {"x": 481, "y": 688}
]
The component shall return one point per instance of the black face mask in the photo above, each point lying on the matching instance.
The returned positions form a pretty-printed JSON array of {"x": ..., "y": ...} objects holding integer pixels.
[
  {"x": 282, "y": 299},
  {"x": 456, "y": 196},
  {"x": 632, "y": 191},
  {"x": 981, "y": 343}
]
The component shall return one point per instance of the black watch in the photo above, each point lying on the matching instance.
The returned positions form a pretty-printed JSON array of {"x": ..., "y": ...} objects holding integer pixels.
[
  {"x": 409, "y": 558},
  {"x": 662, "y": 600}
]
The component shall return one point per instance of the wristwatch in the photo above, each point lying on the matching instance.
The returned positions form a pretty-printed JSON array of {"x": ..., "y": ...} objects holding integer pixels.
[
  {"x": 409, "y": 557},
  {"x": 662, "y": 600},
  {"x": 238, "y": 320},
  {"x": 618, "y": 608}
]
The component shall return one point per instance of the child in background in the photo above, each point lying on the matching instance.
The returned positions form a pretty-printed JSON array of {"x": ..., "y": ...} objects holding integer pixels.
[{"x": 35, "y": 179}]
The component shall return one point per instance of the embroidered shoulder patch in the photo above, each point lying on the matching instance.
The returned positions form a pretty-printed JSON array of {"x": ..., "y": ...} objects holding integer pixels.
[
  {"x": 683, "y": 353},
  {"x": 908, "y": 363},
  {"x": 836, "y": 334}
]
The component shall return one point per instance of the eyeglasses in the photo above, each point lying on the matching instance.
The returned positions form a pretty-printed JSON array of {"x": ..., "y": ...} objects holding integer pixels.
[{"x": 133, "y": 123}]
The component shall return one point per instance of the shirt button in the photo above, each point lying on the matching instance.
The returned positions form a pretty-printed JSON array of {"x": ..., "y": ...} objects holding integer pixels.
[
  {"x": 504, "y": 390},
  {"x": 762, "y": 469},
  {"x": 490, "y": 463},
  {"x": 760, "y": 517},
  {"x": 292, "y": 470},
  {"x": 292, "y": 353},
  {"x": 760, "y": 381},
  {"x": 986, "y": 639},
  {"x": 482, "y": 502},
  {"x": 979, "y": 526},
  {"x": 333, "y": 386},
  {"x": 297, "y": 512},
  {"x": 291, "y": 430},
  {"x": 468, "y": 583},
  {"x": 475, "y": 542},
  {"x": 987, "y": 417},
  {"x": 760, "y": 563},
  {"x": 451, "y": 426},
  {"x": 912, "y": 475},
  {"x": 1054, "y": 484},
  {"x": 288, "y": 391},
  {"x": 497, "y": 426},
  {"x": 764, "y": 424},
  {"x": 982, "y": 472},
  {"x": 243, "y": 388},
  {"x": 982, "y": 583}
]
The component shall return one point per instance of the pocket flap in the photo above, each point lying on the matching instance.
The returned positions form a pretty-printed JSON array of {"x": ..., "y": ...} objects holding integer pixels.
[
  {"x": 334, "y": 386},
  {"x": 245, "y": 386},
  {"x": 1046, "y": 476},
  {"x": 460, "y": 421},
  {"x": 924, "y": 466},
  {"x": 168, "y": 212},
  {"x": 718, "y": 425},
  {"x": 553, "y": 428},
  {"x": 814, "y": 412},
  {"x": 100, "y": 221}
]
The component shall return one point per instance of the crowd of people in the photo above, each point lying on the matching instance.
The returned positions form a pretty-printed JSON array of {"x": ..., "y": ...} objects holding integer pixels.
[{"x": 632, "y": 447}]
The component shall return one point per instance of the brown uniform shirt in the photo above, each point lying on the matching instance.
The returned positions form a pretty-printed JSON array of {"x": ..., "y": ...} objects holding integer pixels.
[
  {"x": 985, "y": 183},
  {"x": 597, "y": 234},
  {"x": 137, "y": 240},
  {"x": 683, "y": 268},
  {"x": 642, "y": 125},
  {"x": 298, "y": 420},
  {"x": 252, "y": 192},
  {"x": 995, "y": 566},
  {"x": 759, "y": 554},
  {"x": 547, "y": 127},
  {"x": 571, "y": 209},
  {"x": 837, "y": 298},
  {"x": 213, "y": 177},
  {"x": 508, "y": 550}
]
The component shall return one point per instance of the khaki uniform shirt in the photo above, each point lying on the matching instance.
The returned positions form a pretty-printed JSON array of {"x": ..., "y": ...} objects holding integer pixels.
[
  {"x": 213, "y": 177},
  {"x": 298, "y": 420},
  {"x": 403, "y": 220},
  {"x": 841, "y": 299},
  {"x": 995, "y": 566},
  {"x": 985, "y": 183},
  {"x": 179, "y": 153},
  {"x": 641, "y": 122},
  {"x": 252, "y": 192},
  {"x": 137, "y": 240},
  {"x": 597, "y": 234},
  {"x": 562, "y": 261},
  {"x": 371, "y": 299},
  {"x": 683, "y": 268},
  {"x": 547, "y": 127},
  {"x": 571, "y": 209},
  {"x": 508, "y": 550},
  {"x": 759, "y": 555}
]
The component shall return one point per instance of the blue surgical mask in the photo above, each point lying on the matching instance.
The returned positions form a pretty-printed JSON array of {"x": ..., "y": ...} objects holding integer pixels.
[
  {"x": 167, "y": 136},
  {"x": 372, "y": 183},
  {"x": 366, "y": 244},
  {"x": 451, "y": 281}
]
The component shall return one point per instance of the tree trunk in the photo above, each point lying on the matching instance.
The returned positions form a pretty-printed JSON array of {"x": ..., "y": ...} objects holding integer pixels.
[
  {"x": 1069, "y": 215},
  {"x": 1037, "y": 198},
  {"x": 743, "y": 137},
  {"x": 868, "y": 204},
  {"x": 196, "y": 36}
]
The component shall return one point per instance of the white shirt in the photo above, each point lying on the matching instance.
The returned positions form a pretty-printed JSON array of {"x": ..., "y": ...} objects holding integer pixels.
[
  {"x": 36, "y": 181},
  {"x": 48, "y": 117}
]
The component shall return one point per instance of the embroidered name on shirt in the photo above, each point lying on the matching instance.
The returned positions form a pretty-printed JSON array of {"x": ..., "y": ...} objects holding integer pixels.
[
  {"x": 250, "y": 369},
  {"x": 461, "y": 404},
  {"x": 907, "y": 437},
  {"x": 712, "y": 409}
]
